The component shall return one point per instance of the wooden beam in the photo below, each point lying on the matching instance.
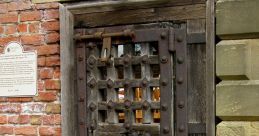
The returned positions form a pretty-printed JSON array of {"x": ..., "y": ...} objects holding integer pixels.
[{"x": 197, "y": 11}]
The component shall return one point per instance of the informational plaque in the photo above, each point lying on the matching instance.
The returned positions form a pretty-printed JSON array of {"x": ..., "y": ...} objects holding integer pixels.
[{"x": 18, "y": 71}]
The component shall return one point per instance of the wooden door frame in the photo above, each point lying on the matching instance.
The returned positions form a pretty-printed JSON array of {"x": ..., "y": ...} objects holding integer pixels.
[{"x": 68, "y": 66}]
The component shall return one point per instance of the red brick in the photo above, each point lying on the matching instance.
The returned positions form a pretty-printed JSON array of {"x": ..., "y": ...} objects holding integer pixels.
[
  {"x": 36, "y": 119},
  {"x": 1, "y": 29},
  {"x": 46, "y": 73},
  {"x": 53, "y": 61},
  {"x": 58, "y": 131},
  {"x": 22, "y": 28},
  {"x": 50, "y": 26},
  {"x": 47, "y": 6},
  {"x": 41, "y": 85},
  {"x": 3, "y": 119},
  {"x": 9, "y": 18},
  {"x": 30, "y": 16},
  {"x": 57, "y": 119},
  {"x": 47, "y": 131},
  {"x": 5, "y": 40},
  {"x": 3, "y": 99},
  {"x": 8, "y": 130},
  {"x": 57, "y": 73},
  {"x": 30, "y": 108},
  {"x": 26, "y": 131},
  {"x": 3, "y": 8},
  {"x": 13, "y": 119},
  {"x": 48, "y": 120},
  {"x": 52, "y": 84},
  {"x": 46, "y": 97},
  {"x": 52, "y": 37},
  {"x": 24, "y": 119},
  {"x": 19, "y": 99},
  {"x": 35, "y": 39},
  {"x": 51, "y": 14},
  {"x": 10, "y": 108},
  {"x": 19, "y": 5},
  {"x": 10, "y": 29},
  {"x": 34, "y": 27},
  {"x": 48, "y": 49},
  {"x": 41, "y": 61}
]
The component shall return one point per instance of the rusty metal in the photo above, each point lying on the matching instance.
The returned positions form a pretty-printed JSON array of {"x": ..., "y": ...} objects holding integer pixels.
[
  {"x": 145, "y": 105},
  {"x": 110, "y": 83},
  {"x": 92, "y": 107},
  {"x": 164, "y": 59},
  {"x": 181, "y": 82},
  {"x": 100, "y": 35},
  {"x": 92, "y": 83}
]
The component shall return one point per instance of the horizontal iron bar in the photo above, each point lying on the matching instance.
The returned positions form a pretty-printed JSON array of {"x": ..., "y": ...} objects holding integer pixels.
[
  {"x": 100, "y": 35},
  {"x": 154, "y": 105}
]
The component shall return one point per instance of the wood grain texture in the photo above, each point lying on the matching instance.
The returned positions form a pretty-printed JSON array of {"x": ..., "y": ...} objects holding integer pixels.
[{"x": 141, "y": 16}]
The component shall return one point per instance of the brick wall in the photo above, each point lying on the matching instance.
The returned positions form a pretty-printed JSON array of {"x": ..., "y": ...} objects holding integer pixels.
[
  {"x": 36, "y": 26},
  {"x": 237, "y": 55}
]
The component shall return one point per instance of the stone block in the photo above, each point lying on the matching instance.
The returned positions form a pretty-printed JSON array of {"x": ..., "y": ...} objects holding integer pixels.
[
  {"x": 237, "y": 59},
  {"x": 238, "y": 100},
  {"x": 238, "y": 128},
  {"x": 237, "y": 19}
]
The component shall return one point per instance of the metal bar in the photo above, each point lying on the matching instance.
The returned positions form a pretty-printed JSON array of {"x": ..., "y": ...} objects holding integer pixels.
[
  {"x": 181, "y": 82},
  {"x": 100, "y": 35},
  {"x": 166, "y": 92},
  {"x": 81, "y": 87},
  {"x": 195, "y": 38}
]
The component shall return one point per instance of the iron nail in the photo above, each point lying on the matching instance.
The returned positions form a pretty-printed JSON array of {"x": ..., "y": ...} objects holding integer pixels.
[
  {"x": 164, "y": 107},
  {"x": 180, "y": 80},
  {"x": 163, "y": 35},
  {"x": 179, "y": 39},
  {"x": 92, "y": 107},
  {"x": 181, "y": 128},
  {"x": 166, "y": 130},
  {"x": 164, "y": 59},
  {"x": 181, "y": 104},
  {"x": 180, "y": 60}
]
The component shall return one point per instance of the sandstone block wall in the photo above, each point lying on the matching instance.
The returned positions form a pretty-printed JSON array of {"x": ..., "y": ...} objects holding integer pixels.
[
  {"x": 36, "y": 26},
  {"x": 237, "y": 65}
]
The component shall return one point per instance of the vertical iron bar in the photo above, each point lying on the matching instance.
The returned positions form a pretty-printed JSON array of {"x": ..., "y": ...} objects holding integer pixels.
[{"x": 181, "y": 82}]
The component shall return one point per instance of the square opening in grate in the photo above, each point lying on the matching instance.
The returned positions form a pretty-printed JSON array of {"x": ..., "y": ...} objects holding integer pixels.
[
  {"x": 155, "y": 71},
  {"x": 120, "y": 93},
  {"x": 137, "y": 94},
  {"x": 102, "y": 74},
  {"x": 138, "y": 116},
  {"x": 137, "y": 50},
  {"x": 154, "y": 50},
  {"x": 102, "y": 95},
  {"x": 102, "y": 116},
  {"x": 121, "y": 116},
  {"x": 120, "y": 72},
  {"x": 120, "y": 51},
  {"x": 136, "y": 71},
  {"x": 155, "y": 93},
  {"x": 156, "y": 116}
]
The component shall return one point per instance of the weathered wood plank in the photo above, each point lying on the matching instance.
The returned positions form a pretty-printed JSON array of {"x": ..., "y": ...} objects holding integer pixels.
[{"x": 141, "y": 16}]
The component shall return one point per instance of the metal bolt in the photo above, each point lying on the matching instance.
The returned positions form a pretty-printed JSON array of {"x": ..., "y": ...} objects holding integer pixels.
[
  {"x": 166, "y": 130},
  {"x": 126, "y": 83},
  {"x": 80, "y": 58},
  {"x": 164, "y": 59},
  {"x": 164, "y": 82},
  {"x": 145, "y": 105},
  {"x": 179, "y": 39},
  {"x": 92, "y": 83},
  {"x": 180, "y": 60},
  {"x": 110, "y": 83},
  {"x": 92, "y": 126},
  {"x": 92, "y": 107},
  {"x": 181, "y": 104},
  {"x": 127, "y": 125},
  {"x": 91, "y": 45},
  {"x": 164, "y": 107},
  {"x": 144, "y": 82},
  {"x": 163, "y": 35},
  {"x": 110, "y": 104},
  {"x": 81, "y": 99},
  {"x": 180, "y": 80},
  {"x": 145, "y": 59},
  {"x": 127, "y": 104},
  {"x": 181, "y": 128}
]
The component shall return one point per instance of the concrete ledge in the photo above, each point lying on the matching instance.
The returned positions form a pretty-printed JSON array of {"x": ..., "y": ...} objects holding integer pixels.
[
  {"x": 238, "y": 100},
  {"x": 238, "y": 128},
  {"x": 237, "y": 19},
  {"x": 238, "y": 59}
]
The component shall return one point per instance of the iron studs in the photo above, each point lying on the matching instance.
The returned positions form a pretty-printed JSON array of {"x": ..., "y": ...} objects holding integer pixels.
[
  {"x": 80, "y": 58},
  {"x": 166, "y": 130},
  {"x": 127, "y": 104},
  {"x": 92, "y": 107},
  {"x": 180, "y": 80},
  {"x": 145, "y": 59},
  {"x": 180, "y": 60},
  {"x": 110, "y": 104},
  {"x": 110, "y": 83},
  {"x": 181, "y": 128},
  {"x": 127, "y": 125},
  {"x": 145, "y": 105},
  {"x": 163, "y": 35},
  {"x": 164, "y": 107},
  {"x": 164, "y": 82},
  {"x": 92, "y": 83},
  {"x": 126, "y": 83},
  {"x": 144, "y": 82},
  {"x": 164, "y": 59},
  {"x": 181, "y": 104},
  {"x": 179, "y": 39}
]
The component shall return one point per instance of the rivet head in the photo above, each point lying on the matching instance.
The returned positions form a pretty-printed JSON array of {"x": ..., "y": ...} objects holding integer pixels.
[
  {"x": 92, "y": 83},
  {"x": 126, "y": 83},
  {"x": 145, "y": 105},
  {"x": 127, "y": 125},
  {"x": 181, "y": 104},
  {"x": 109, "y": 83},
  {"x": 164, "y": 82},
  {"x": 164, "y": 59},
  {"x": 145, "y": 82},
  {"x": 179, "y": 39},
  {"x": 91, "y": 45},
  {"x": 145, "y": 59},
  {"x": 92, "y": 126},
  {"x": 164, "y": 107},
  {"x": 166, "y": 130},
  {"x": 180, "y": 80},
  {"x": 163, "y": 35},
  {"x": 181, "y": 128},
  {"x": 92, "y": 107},
  {"x": 127, "y": 104},
  {"x": 110, "y": 104},
  {"x": 180, "y": 60}
]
